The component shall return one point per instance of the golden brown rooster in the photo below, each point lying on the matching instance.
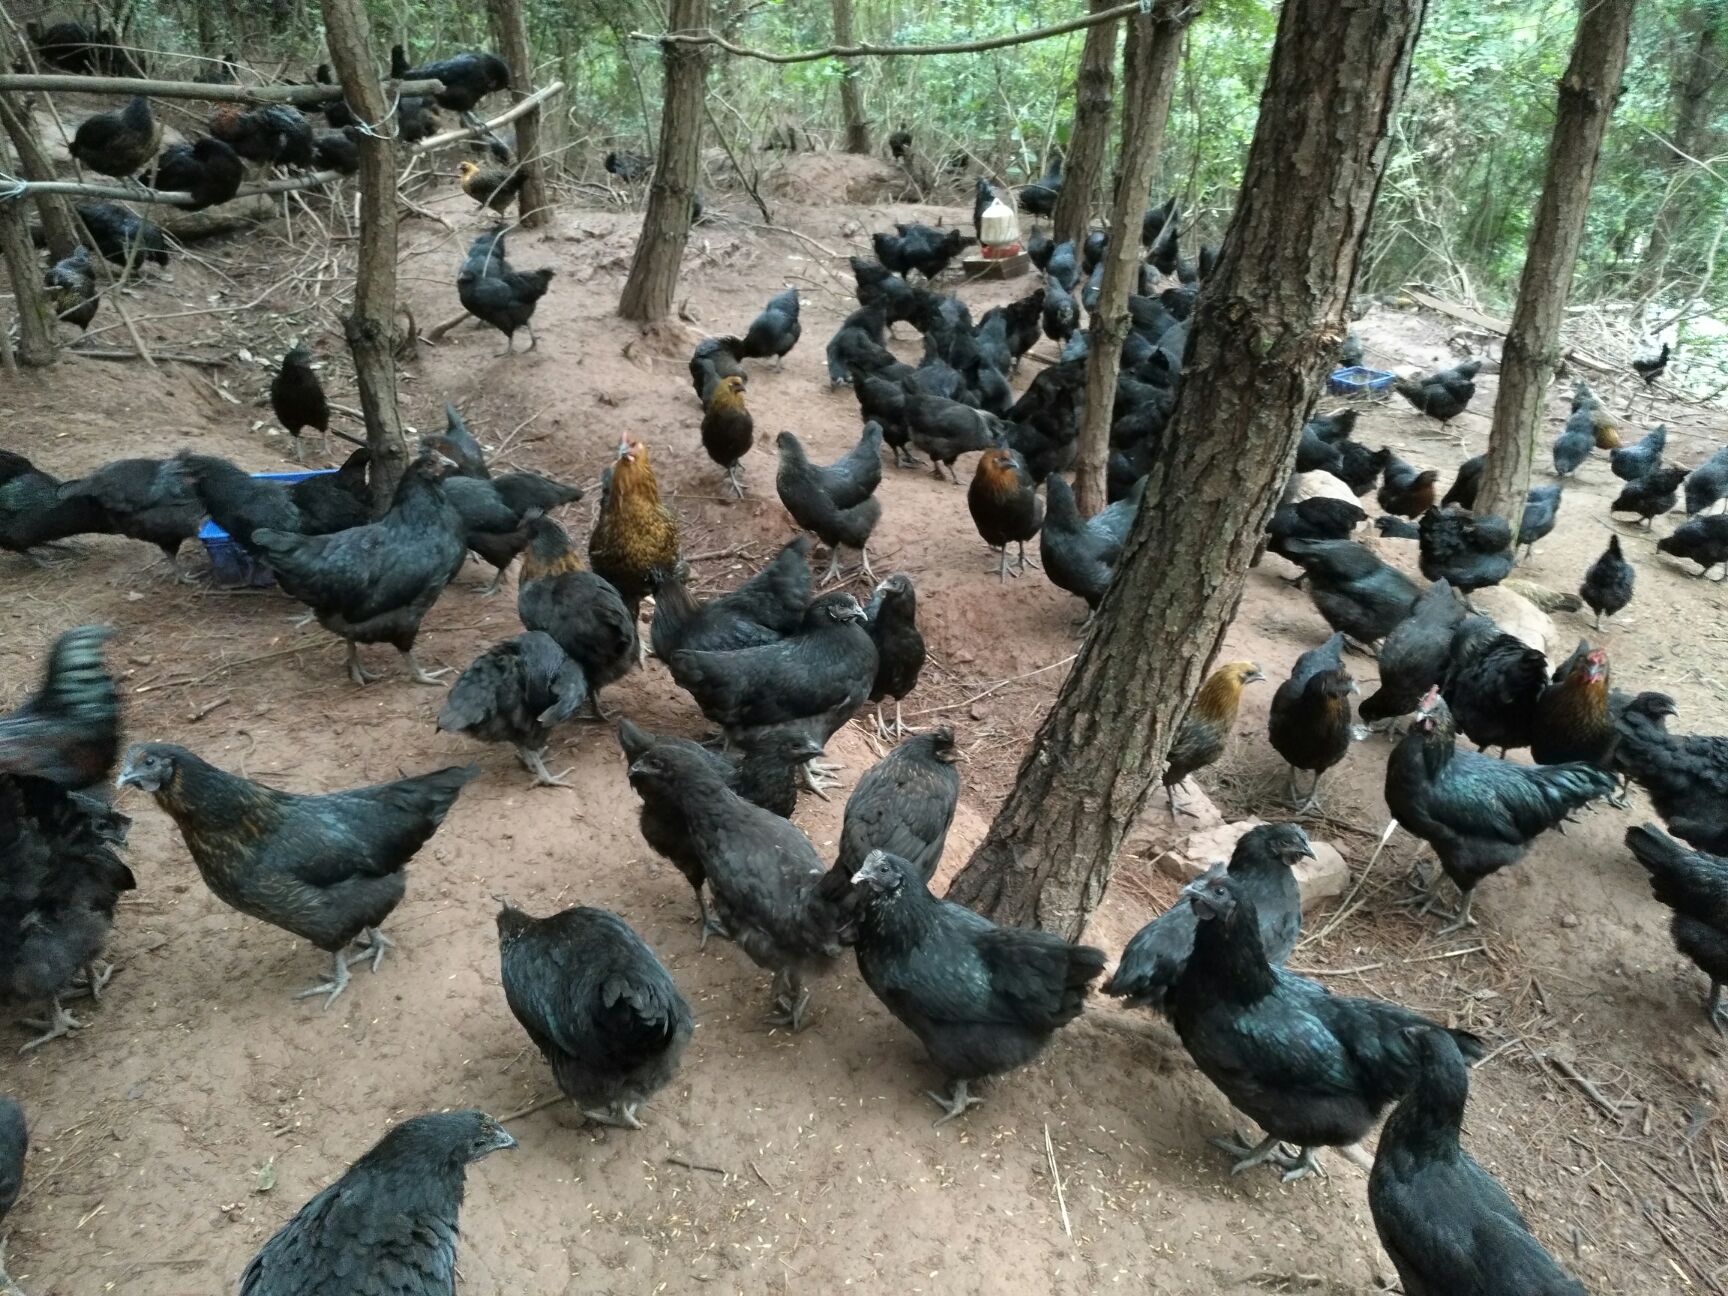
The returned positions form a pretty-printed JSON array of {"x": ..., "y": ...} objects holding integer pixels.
[
  {"x": 491, "y": 186},
  {"x": 635, "y": 535},
  {"x": 1206, "y": 727}
]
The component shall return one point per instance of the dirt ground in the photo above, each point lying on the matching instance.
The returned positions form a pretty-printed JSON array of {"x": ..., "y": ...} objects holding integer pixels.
[{"x": 203, "y": 1105}]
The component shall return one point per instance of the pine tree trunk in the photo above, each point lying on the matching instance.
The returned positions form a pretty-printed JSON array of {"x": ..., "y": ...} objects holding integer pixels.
[
  {"x": 1697, "y": 77},
  {"x": 666, "y": 224},
  {"x": 531, "y": 204},
  {"x": 1588, "y": 92},
  {"x": 371, "y": 325},
  {"x": 851, "y": 88},
  {"x": 57, "y": 227},
  {"x": 1149, "y": 62},
  {"x": 1262, "y": 331},
  {"x": 1086, "y": 142},
  {"x": 35, "y": 318}
]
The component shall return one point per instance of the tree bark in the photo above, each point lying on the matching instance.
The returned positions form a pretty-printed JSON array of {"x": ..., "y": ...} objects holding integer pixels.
[
  {"x": 1149, "y": 61},
  {"x": 371, "y": 325},
  {"x": 1588, "y": 93},
  {"x": 851, "y": 91},
  {"x": 35, "y": 320},
  {"x": 532, "y": 205},
  {"x": 57, "y": 227},
  {"x": 1262, "y": 333},
  {"x": 1697, "y": 76},
  {"x": 1092, "y": 105},
  {"x": 666, "y": 224}
]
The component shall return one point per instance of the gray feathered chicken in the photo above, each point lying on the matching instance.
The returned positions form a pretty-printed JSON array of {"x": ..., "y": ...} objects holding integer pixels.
[
  {"x": 776, "y": 330},
  {"x": 581, "y": 611},
  {"x": 492, "y": 290},
  {"x": 328, "y": 868},
  {"x": 518, "y": 692},
  {"x": 903, "y": 805},
  {"x": 143, "y": 499},
  {"x": 387, "y": 1227},
  {"x": 837, "y": 503}
]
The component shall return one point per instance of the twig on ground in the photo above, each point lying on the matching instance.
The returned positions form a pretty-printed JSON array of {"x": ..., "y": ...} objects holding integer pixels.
[
  {"x": 697, "y": 1165},
  {"x": 538, "y": 1106},
  {"x": 1012, "y": 679},
  {"x": 1056, "y": 1178}
]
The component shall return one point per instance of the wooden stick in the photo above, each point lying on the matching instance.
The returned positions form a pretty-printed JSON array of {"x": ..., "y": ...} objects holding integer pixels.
[{"x": 128, "y": 86}]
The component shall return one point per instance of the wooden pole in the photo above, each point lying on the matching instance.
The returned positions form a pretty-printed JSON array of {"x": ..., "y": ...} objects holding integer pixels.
[
  {"x": 531, "y": 204},
  {"x": 35, "y": 321},
  {"x": 56, "y": 218},
  {"x": 371, "y": 325}
]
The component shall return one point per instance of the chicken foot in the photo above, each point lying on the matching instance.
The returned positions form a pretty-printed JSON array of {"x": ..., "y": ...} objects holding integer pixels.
[
  {"x": 620, "y": 1115},
  {"x": 710, "y": 923},
  {"x": 1714, "y": 1007},
  {"x": 1306, "y": 803},
  {"x": 356, "y": 672},
  {"x": 94, "y": 983},
  {"x": 535, "y": 763},
  {"x": 955, "y": 1103},
  {"x": 337, "y": 983},
  {"x": 1269, "y": 1149},
  {"x": 819, "y": 776},
  {"x": 792, "y": 997},
  {"x": 735, "y": 479},
  {"x": 59, "y": 1022},
  {"x": 420, "y": 675},
  {"x": 889, "y": 732}
]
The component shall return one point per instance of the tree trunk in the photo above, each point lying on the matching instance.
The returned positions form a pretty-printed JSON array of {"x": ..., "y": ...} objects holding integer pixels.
[
  {"x": 56, "y": 216},
  {"x": 851, "y": 91},
  {"x": 666, "y": 224},
  {"x": 35, "y": 320},
  {"x": 1588, "y": 92},
  {"x": 371, "y": 325},
  {"x": 1262, "y": 333},
  {"x": 1149, "y": 61},
  {"x": 1697, "y": 76},
  {"x": 532, "y": 205},
  {"x": 1085, "y": 163}
]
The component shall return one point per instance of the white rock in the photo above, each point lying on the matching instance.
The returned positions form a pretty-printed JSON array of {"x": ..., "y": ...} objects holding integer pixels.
[
  {"x": 1313, "y": 485},
  {"x": 1325, "y": 877}
]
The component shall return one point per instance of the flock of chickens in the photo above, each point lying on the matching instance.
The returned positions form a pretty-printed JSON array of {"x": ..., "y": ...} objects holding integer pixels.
[{"x": 782, "y": 662}]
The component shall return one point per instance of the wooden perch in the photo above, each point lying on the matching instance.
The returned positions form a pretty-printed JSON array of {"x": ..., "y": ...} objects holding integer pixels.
[
  {"x": 1489, "y": 324},
  {"x": 129, "y": 86},
  {"x": 12, "y": 188}
]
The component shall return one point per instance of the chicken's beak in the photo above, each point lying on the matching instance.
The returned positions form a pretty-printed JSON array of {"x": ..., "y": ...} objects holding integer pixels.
[
  {"x": 1254, "y": 676},
  {"x": 872, "y": 870},
  {"x": 624, "y": 447},
  {"x": 503, "y": 1140}
]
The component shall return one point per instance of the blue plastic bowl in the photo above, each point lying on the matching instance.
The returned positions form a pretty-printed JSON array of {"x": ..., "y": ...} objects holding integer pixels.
[
  {"x": 232, "y": 565},
  {"x": 1357, "y": 381}
]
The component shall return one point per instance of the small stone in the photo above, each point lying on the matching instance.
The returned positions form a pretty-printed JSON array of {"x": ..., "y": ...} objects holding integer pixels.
[
  {"x": 1569, "y": 920},
  {"x": 1325, "y": 877}
]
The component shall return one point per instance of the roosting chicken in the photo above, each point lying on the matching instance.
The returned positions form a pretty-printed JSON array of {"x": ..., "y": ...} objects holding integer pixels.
[
  {"x": 33, "y": 513},
  {"x": 1479, "y": 814},
  {"x": 765, "y": 608},
  {"x": 776, "y": 330},
  {"x": 1080, "y": 554},
  {"x": 1261, "y": 864},
  {"x": 765, "y": 776},
  {"x": 1004, "y": 503},
  {"x": 728, "y": 430},
  {"x": 1608, "y": 584},
  {"x": 982, "y": 999},
  {"x": 517, "y": 692},
  {"x": 579, "y": 610},
  {"x": 122, "y": 236},
  {"x": 1641, "y": 458},
  {"x": 1686, "y": 776},
  {"x": 1205, "y": 730},
  {"x": 493, "y": 186},
  {"x": 71, "y": 285},
  {"x": 635, "y": 535},
  {"x": 713, "y": 359},
  {"x": 1466, "y": 551},
  {"x": 1312, "y": 1068},
  {"x": 1446, "y": 1223},
  {"x": 1413, "y": 656},
  {"x": 298, "y": 401},
  {"x": 598, "y": 1004},
  {"x": 763, "y": 872},
  {"x": 892, "y": 619},
  {"x": 1650, "y": 496},
  {"x": 1358, "y": 594},
  {"x": 1572, "y": 718},
  {"x": 143, "y": 499},
  {"x": 837, "y": 503},
  {"x": 387, "y": 1227},
  {"x": 119, "y": 143},
  {"x": 492, "y": 290},
  {"x": 1703, "y": 540},
  {"x": 207, "y": 169},
  {"x": 327, "y": 868},
  {"x": 1443, "y": 395},
  {"x": 1310, "y": 724},
  {"x": 374, "y": 584}
]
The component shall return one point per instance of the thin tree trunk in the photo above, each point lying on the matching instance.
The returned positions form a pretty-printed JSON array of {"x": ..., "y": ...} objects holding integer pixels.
[
  {"x": 666, "y": 224},
  {"x": 35, "y": 320},
  {"x": 1150, "y": 58},
  {"x": 1262, "y": 331},
  {"x": 851, "y": 88},
  {"x": 532, "y": 204},
  {"x": 371, "y": 325},
  {"x": 1696, "y": 79},
  {"x": 1588, "y": 92},
  {"x": 57, "y": 225},
  {"x": 1092, "y": 105}
]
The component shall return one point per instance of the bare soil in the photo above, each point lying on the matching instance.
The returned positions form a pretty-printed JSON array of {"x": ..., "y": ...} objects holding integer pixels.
[{"x": 203, "y": 1105}]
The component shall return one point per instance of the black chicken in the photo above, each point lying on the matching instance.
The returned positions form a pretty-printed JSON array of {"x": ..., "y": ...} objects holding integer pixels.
[
  {"x": 1694, "y": 885},
  {"x": 1312, "y": 1068},
  {"x": 1608, "y": 584},
  {"x": 1446, "y": 1223},
  {"x": 498, "y": 513},
  {"x": 1466, "y": 551},
  {"x": 118, "y": 143},
  {"x": 1443, "y": 395},
  {"x": 32, "y": 512},
  {"x": 14, "y": 1147},
  {"x": 72, "y": 290},
  {"x": 327, "y": 868},
  {"x": 982, "y": 999},
  {"x": 1541, "y": 511},
  {"x": 1703, "y": 540},
  {"x": 1414, "y": 655},
  {"x": 1080, "y": 554},
  {"x": 1686, "y": 776},
  {"x": 1651, "y": 495},
  {"x": 776, "y": 330},
  {"x": 1491, "y": 684},
  {"x": 1641, "y": 458},
  {"x": 581, "y": 611},
  {"x": 1467, "y": 484},
  {"x": 1479, "y": 814},
  {"x": 1039, "y": 197},
  {"x": 601, "y": 1008},
  {"x": 67, "y": 732},
  {"x": 298, "y": 401},
  {"x": 920, "y": 248},
  {"x": 1650, "y": 368},
  {"x": 338, "y": 150},
  {"x": 837, "y": 503},
  {"x": 627, "y": 166},
  {"x": 387, "y": 1227},
  {"x": 143, "y": 499},
  {"x": 892, "y": 619},
  {"x": 903, "y": 805},
  {"x": 1003, "y": 500},
  {"x": 1318, "y": 518},
  {"x": 490, "y": 289},
  {"x": 122, "y": 236},
  {"x": 517, "y": 692},
  {"x": 1310, "y": 724},
  {"x": 857, "y": 344},
  {"x": 763, "y": 872},
  {"x": 1707, "y": 483},
  {"x": 946, "y": 429},
  {"x": 207, "y": 169},
  {"x": 1261, "y": 864},
  {"x": 1358, "y": 594},
  {"x": 765, "y": 608},
  {"x": 468, "y": 77},
  {"x": 242, "y": 504},
  {"x": 1061, "y": 316},
  {"x": 374, "y": 583},
  {"x": 1406, "y": 492},
  {"x": 713, "y": 359}
]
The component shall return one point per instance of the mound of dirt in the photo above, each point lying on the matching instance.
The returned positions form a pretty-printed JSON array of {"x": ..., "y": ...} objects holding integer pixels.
[{"x": 815, "y": 178}]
